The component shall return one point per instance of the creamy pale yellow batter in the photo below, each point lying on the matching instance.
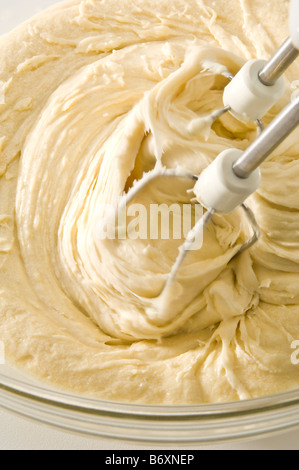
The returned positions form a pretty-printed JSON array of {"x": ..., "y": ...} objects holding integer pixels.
[{"x": 92, "y": 94}]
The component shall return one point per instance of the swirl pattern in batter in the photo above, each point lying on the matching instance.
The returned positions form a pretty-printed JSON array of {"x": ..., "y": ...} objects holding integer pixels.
[{"x": 94, "y": 93}]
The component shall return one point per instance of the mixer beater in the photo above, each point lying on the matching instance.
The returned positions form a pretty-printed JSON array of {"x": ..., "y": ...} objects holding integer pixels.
[{"x": 234, "y": 175}]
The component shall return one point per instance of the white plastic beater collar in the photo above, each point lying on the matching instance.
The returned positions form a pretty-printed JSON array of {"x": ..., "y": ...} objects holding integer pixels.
[
  {"x": 218, "y": 188},
  {"x": 248, "y": 98}
]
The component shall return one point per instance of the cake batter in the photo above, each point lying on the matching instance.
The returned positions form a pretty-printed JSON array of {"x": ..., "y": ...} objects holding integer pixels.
[{"x": 93, "y": 93}]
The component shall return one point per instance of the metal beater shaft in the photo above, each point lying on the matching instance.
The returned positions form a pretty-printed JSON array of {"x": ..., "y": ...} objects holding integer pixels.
[
  {"x": 280, "y": 128},
  {"x": 279, "y": 63}
]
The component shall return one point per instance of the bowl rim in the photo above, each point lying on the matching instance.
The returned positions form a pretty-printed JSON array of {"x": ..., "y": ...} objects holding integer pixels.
[
  {"x": 61, "y": 398},
  {"x": 158, "y": 424}
]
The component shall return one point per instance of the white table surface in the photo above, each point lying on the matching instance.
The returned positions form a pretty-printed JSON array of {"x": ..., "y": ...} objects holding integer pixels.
[{"x": 17, "y": 433}]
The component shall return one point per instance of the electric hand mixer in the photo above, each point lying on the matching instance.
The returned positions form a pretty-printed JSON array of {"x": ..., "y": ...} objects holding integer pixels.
[{"x": 234, "y": 175}]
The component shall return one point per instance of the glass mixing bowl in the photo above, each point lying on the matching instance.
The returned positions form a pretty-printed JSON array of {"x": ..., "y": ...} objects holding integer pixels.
[
  {"x": 176, "y": 425},
  {"x": 163, "y": 425}
]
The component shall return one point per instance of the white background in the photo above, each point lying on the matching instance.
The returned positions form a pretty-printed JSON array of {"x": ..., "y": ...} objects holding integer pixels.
[{"x": 17, "y": 433}]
